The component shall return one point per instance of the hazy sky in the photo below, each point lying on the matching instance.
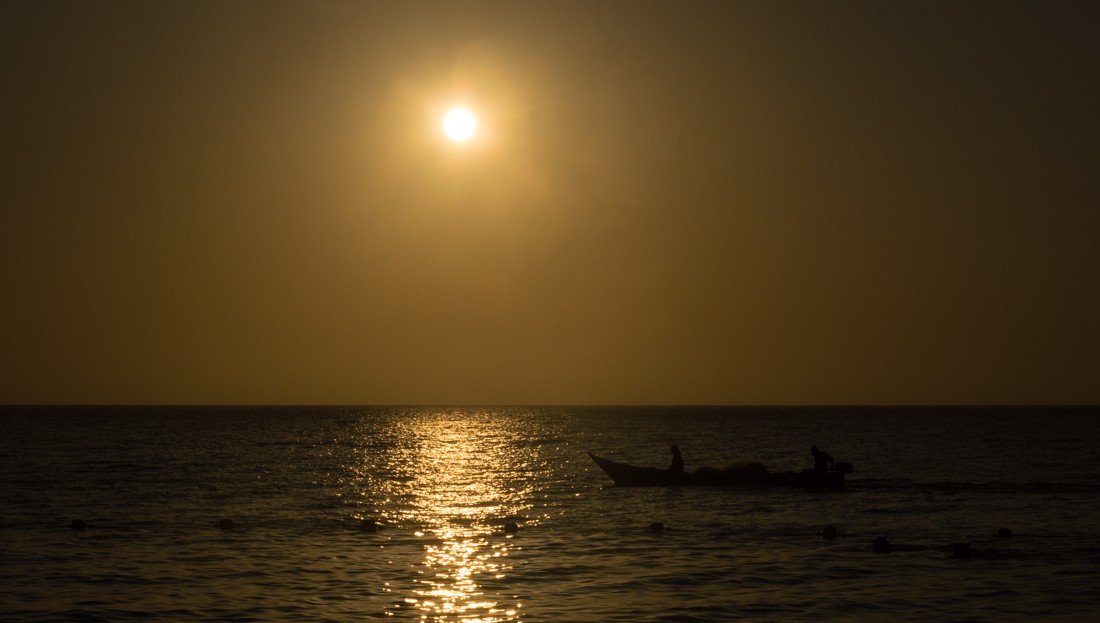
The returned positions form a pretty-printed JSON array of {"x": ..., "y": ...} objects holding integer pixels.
[{"x": 666, "y": 202}]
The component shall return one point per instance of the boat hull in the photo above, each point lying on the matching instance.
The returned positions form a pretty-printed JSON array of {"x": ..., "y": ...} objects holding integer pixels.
[{"x": 753, "y": 475}]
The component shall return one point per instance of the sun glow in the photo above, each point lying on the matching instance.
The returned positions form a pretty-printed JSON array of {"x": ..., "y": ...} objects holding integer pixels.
[{"x": 459, "y": 124}]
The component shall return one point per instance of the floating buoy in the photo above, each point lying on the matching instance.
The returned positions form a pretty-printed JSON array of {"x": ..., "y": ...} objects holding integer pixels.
[
  {"x": 78, "y": 525},
  {"x": 881, "y": 545},
  {"x": 226, "y": 524},
  {"x": 511, "y": 527},
  {"x": 656, "y": 527},
  {"x": 829, "y": 533},
  {"x": 369, "y": 525}
]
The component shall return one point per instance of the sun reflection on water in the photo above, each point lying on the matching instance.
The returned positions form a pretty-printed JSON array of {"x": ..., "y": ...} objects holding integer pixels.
[
  {"x": 452, "y": 588},
  {"x": 463, "y": 481}
]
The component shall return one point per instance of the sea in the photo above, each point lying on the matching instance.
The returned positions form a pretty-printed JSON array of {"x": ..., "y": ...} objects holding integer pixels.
[{"x": 493, "y": 514}]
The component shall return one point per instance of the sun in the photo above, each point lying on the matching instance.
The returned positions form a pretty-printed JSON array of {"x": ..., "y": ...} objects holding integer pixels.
[{"x": 459, "y": 124}]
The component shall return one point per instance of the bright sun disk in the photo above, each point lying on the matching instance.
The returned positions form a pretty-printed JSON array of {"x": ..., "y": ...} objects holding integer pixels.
[{"x": 459, "y": 124}]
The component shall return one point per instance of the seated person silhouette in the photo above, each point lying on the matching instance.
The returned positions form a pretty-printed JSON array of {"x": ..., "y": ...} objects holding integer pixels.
[
  {"x": 677, "y": 466},
  {"x": 822, "y": 460}
]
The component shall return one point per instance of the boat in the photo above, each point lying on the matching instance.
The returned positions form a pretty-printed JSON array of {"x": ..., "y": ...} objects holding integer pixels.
[{"x": 745, "y": 475}]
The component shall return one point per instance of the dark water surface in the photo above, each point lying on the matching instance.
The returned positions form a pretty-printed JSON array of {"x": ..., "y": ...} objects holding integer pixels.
[{"x": 152, "y": 483}]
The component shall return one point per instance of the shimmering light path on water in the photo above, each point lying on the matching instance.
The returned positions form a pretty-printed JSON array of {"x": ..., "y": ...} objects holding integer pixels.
[{"x": 454, "y": 502}]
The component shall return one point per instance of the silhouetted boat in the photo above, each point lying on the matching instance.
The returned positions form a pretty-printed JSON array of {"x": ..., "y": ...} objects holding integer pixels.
[{"x": 747, "y": 475}]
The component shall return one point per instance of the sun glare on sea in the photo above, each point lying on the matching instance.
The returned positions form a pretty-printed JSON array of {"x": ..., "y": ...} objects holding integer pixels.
[
  {"x": 459, "y": 515},
  {"x": 459, "y": 124}
]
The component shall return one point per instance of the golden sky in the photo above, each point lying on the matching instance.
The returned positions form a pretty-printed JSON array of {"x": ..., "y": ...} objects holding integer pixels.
[{"x": 674, "y": 203}]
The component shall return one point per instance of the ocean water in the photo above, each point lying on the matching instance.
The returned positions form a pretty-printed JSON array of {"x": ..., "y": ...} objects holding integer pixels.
[{"x": 152, "y": 483}]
